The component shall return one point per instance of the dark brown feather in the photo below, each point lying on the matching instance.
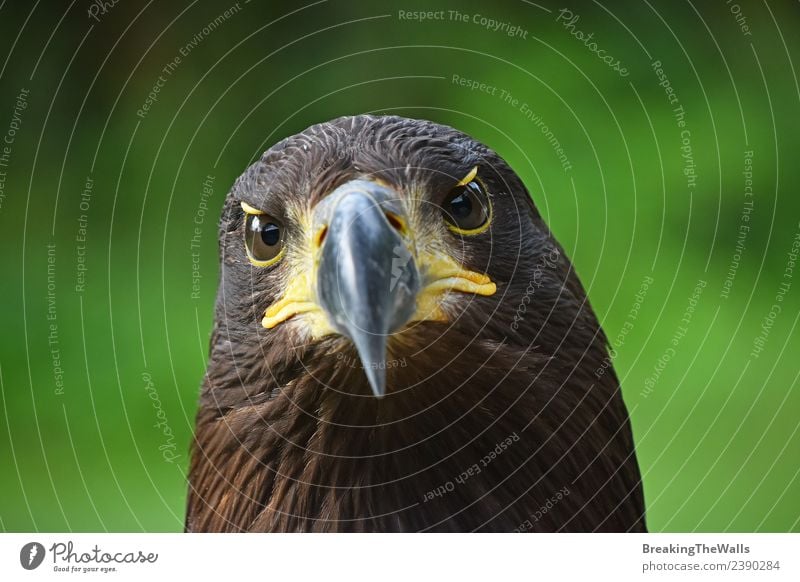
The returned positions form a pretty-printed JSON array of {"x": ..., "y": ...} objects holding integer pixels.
[{"x": 289, "y": 437}]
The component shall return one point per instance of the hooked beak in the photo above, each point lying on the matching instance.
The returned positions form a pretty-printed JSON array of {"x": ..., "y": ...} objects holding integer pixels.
[{"x": 366, "y": 281}]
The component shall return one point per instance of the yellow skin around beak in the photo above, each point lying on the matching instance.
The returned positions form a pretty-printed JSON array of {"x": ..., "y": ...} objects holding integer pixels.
[{"x": 442, "y": 275}]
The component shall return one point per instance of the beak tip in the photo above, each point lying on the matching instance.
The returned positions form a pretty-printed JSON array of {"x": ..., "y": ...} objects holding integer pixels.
[
  {"x": 372, "y": 353},
  {"x": 377, "y": 380}
]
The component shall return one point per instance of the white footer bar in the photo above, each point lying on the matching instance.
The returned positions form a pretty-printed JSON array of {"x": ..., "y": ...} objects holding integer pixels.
[{"x": 400, "y": 557}]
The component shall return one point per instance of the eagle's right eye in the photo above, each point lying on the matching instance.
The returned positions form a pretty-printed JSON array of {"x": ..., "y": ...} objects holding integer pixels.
[{"x": 263, "y": 239}]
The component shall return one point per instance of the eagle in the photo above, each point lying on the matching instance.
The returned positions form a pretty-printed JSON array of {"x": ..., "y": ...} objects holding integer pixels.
[{"x": 401, "y": 345}]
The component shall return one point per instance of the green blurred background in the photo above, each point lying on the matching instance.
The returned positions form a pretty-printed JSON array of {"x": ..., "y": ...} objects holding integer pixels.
[{"x": 98, "y": 411}]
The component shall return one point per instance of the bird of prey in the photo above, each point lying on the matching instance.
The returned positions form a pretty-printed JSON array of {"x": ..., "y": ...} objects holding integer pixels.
[{"x": 400, "y": 344}]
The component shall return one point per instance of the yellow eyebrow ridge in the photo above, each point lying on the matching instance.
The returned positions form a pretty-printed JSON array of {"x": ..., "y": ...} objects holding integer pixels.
[
  {"x": 249, "y": 209},
  {"x": 469, "y": 177}
]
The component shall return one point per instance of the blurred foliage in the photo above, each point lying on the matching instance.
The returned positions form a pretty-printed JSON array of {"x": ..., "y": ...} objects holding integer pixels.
[{"x": 717, "y": 435}]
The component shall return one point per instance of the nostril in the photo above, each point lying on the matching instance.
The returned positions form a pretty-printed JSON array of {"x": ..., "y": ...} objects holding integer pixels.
[
  {"x": 396, "y": 222},
  {"x": 321, "y": 234}
]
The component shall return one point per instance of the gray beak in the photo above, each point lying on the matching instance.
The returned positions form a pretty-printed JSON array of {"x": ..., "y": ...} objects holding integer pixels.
[{"x": 367, "y": 280}]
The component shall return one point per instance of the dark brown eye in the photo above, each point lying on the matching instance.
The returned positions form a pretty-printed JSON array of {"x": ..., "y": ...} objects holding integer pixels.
[
  {"x": 263, "y": 238},
  {"x": 466, "y": 209}
]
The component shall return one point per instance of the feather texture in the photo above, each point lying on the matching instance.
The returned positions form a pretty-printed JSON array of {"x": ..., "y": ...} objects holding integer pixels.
[{"x": 508, "y": 419}]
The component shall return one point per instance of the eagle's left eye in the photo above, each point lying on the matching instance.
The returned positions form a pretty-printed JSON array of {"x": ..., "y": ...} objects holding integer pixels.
[
  {"x": 466, "y": 209},
  {"x": 263, "y": 238}
]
